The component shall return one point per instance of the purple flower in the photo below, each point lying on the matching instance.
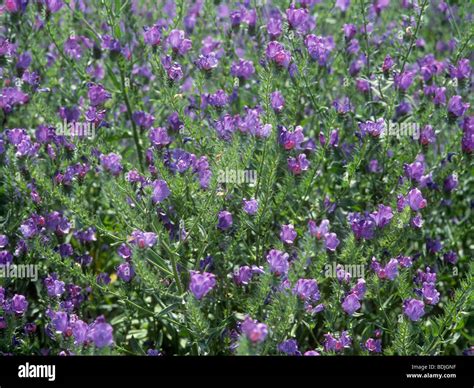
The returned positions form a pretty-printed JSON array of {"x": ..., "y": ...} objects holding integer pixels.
[
  {"x": 307, "y": 290},
  {"x": 19, "y": 304},
  {"x": 60, "y": 321},
  {"x": 101, "y": 334},
  {"x": 244, "y": 274},
  {"x": 276, "y": 52},
  {"x": 111, "y": 163},
  {"x": 414, "y": 309},
  {"x": 362, "y": 226},
  {"x": 359, "y": 289},
  {"x": 427, "y": 135},
  {"x": 224, "y": 221},
  {"x": 456, "y": 107},
  {"x": 143, "y": 239},
  {"x": 298, "y": 19},
  {"x": 143, "y": 119},
  {"x": 390, "y": 271},
  {"x": 450, "y": 183},
  {"x": 290, "y": 347},
  {"x": 343, "y": 5},
  {"x": 10, "y": 97},
  {"x": 5, "y": 258},
  {"x": 450, "y": 257},
  {"x": 178, "y": 43},
  {"x": 255, "y": 331},
  {"x": 373, "y": 128},
  {"x": 291, "y": 139},
  {"x": 53, "y": 6},
  {"x": 274, "y": 27},
  {"x": 337, "y": 345},
  {"x": 207, "y": 62},
  {"x": 277, "y": 101},
  {"x": 3, "y": 241},
  {"x": 342, "y": 105},
  {"x": 311, "y": 353},
  {"x": 250, "y": 206},
  {"x": 125, "y": 272},
  {"x": 54, "y": 286},
  {"x": 97, "y": 94},
  {"x": 387, "y": 63},
  {"x": 288, "y": 234},
  {"x": 278, "y": 262},
  {"x": 382, "y": 216},
  {"x": 299, "y": 164},
  {"x": 404, "y": 80},
  {"x": 430, "y": 293},
  {"x": 349, "y": 31},
  {"x": 152, "y": 35},
  {"x": 331, "y": 241},
  {"x": 373, "y": 345},
  {"x": 319, "y": 48},
  {"x": 318, "y": 231},
  {"x": 351, "y": 303},
  {"x": 161, "y": 191},
  {"x": 462, "y": 70},
  {"x": 201, "y": 283},
  {"x": 416, "y": 200},
  {"x": 159, "y": 137},
  {"x": 80, "y": 331},
  {"x": 243, "y": 69}
]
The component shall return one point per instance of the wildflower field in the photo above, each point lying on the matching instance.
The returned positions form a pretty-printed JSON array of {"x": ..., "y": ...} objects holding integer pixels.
[{"x": 261, "y": 177}]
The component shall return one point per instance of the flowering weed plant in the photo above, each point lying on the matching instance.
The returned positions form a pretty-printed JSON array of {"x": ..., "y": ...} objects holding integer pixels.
[{"x": 236, "y": 178}]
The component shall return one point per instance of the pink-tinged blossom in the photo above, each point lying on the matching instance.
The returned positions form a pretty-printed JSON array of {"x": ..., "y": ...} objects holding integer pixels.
[
  {"x": 255, "y": 331},
  {"x": 276, "y": 52},
  {"x": 415, "y": 200},
  {"x": 335, "y": 344},
  {"x": 299, "y": 164},
  {"x": 143, "y": 239},
  {"x": 390, "y": 271}
]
